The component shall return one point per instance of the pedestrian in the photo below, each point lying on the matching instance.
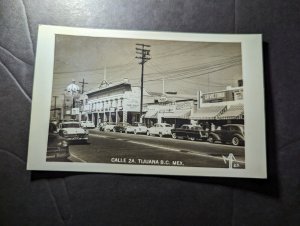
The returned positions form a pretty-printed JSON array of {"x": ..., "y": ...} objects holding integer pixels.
[{"x": 213, "y": 127}]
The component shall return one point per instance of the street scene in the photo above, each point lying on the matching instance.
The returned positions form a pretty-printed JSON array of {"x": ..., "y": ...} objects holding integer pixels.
[
  {"x": 147, "y": 102},
  {"x": 149, "y": 150}
]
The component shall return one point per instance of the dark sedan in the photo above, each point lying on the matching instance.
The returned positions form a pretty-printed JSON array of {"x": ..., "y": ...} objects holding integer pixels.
[
  {"x": 230, "y": 133},
  {"x": 192, "y": 132},
  {"x": 120, "y": 127}
]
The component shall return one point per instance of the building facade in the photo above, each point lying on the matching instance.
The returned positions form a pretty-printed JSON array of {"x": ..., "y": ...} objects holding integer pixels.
[
  {"x": 175, "y": 113},
  {"x": 71, "y": 102},
  {"x": 118, "y": 102},
  {"x": 220, "y": 107}
]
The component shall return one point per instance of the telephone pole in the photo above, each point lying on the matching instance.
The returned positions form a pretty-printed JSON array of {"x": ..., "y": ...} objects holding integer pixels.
[
  {"x": 82, "y": 86},
  {"x": 144, "y": 55}
]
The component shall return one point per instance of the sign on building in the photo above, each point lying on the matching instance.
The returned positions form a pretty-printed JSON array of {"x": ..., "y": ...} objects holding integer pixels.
[{"x": 75, "y": 111}]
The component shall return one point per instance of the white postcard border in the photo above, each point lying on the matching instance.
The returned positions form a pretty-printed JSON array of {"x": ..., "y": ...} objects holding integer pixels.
[{"x": 255, "y": 145}]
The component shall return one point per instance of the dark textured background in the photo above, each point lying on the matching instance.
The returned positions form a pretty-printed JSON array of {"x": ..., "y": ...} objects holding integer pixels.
[{"x": 44, "y": 198}]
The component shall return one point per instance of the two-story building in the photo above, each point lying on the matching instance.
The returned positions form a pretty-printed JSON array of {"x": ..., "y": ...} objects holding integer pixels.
[{"x": 112, "y": 102}]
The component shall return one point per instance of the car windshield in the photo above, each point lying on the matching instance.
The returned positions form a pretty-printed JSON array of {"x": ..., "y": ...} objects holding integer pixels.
[
  {"x": 71, "y": 125},
  {"x": 197, "y": 128}
]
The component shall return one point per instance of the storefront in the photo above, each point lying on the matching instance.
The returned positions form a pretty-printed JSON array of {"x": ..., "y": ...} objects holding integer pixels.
[
  {"x": 175, "y": 113},
  {"x": 218, "y": 108},
  {"x": 150, "y": 117}
]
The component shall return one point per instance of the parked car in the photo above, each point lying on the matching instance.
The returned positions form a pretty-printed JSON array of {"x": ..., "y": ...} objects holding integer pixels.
[
  {"x": 121, "y": 127},
  {"x": 88, "y": 124},
  {"x": 72, "y": 131},
  {"x": 136, "y": 128},
  {"x": 191, "y": 132},
  {"x": 58, "y": 147},
  {"x": 160, "y": 129},
  {"x": 102, "y": 125},
  {"x": 109, "y": 126},
  {"x": 230, "y": 133}
]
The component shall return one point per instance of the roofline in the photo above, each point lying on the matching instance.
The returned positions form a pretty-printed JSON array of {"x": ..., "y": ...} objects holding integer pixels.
[
  {"x": 232, "y": 88},
  {"x": 113, "y": 85}
]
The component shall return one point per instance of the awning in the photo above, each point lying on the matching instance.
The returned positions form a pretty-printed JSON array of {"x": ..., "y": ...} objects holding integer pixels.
[
  {"x": 151, "y": 114},
  {"x": 234, "y": 112},
  {"x": 180, "y": 114},
  {"x": 208, "y": 112}
]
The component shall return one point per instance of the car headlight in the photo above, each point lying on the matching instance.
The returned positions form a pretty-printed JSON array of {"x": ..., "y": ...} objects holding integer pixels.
[
  {"x": 64, "y": 143},
  {"x": 65, "y": 132},
  {"x": 86, "y": 131}
]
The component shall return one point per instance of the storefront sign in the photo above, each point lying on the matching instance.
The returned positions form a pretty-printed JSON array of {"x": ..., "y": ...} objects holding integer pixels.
[
  {"x": 217, "y": 96},
  {"x": 75, "y": 111},
  {"x": 184, "y": 105},
  {"x": 132, "y": 105}
]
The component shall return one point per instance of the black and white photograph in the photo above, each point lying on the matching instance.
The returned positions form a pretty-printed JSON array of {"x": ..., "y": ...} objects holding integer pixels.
[{"x": 161, "y": 104}]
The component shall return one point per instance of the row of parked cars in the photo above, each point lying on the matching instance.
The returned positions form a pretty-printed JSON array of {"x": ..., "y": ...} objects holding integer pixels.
[
  {"x": 61, "y": 134},
  {"x": 230, "y": 133}
]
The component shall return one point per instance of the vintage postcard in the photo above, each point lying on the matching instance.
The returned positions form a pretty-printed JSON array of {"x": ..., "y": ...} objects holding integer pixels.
[{"x": 144, "y": 102}]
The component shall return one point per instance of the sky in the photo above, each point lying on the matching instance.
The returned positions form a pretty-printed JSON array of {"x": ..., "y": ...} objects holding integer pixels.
[{"x": 185, "y": 67}]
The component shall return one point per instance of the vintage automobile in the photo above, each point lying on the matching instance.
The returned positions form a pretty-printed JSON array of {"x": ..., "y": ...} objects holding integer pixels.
[
  {"x": 160, "y": 129},
  {"x": 136, "y": 128},
  {"x": 72, "y": 131},
  {"x": 58, "y": 147},
  {"x": 191, "y": 132},
  {"x": 102, "y": 125},
  {"x": 109, "y": 126},
  {"x": 87, "y": 124},
  {"x": 230, "y": 133},
  {"x": 121, "y": 127}
]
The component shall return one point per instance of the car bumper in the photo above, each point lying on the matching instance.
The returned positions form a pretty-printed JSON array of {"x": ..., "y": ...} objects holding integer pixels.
[
  {"x": 76, "y": 138},
  {"x": 57, "y": 153},
  {"x": 142, "y": 132},
  {"x": 119, "y": 129}
]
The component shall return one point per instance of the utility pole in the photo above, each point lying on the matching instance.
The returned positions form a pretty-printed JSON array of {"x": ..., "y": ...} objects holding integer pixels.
[
  {"x": 82, "y": 86},
  {"x": 144, "y": 55}
]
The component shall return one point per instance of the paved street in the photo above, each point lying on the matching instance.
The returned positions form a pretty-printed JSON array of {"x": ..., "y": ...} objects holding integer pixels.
[{"x": 121, "y": 148}]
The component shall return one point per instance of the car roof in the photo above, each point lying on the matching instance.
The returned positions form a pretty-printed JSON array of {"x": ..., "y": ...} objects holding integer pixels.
[{"x": 70, "y": 122}]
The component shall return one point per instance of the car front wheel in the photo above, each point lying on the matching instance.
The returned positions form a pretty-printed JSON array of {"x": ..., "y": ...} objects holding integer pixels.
[
  {"x": 210, "y": 139},
  {"x": 235, "y": 141},
  {"x": 174, "y": 136},
  {"x": 148, "y": 133},
  {"x": 135, "y": 132},
  {"x": 192, "y": 138}
]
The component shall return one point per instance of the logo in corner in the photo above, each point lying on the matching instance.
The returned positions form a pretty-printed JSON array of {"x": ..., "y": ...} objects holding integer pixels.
[{"x": 230, "y": 160}]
